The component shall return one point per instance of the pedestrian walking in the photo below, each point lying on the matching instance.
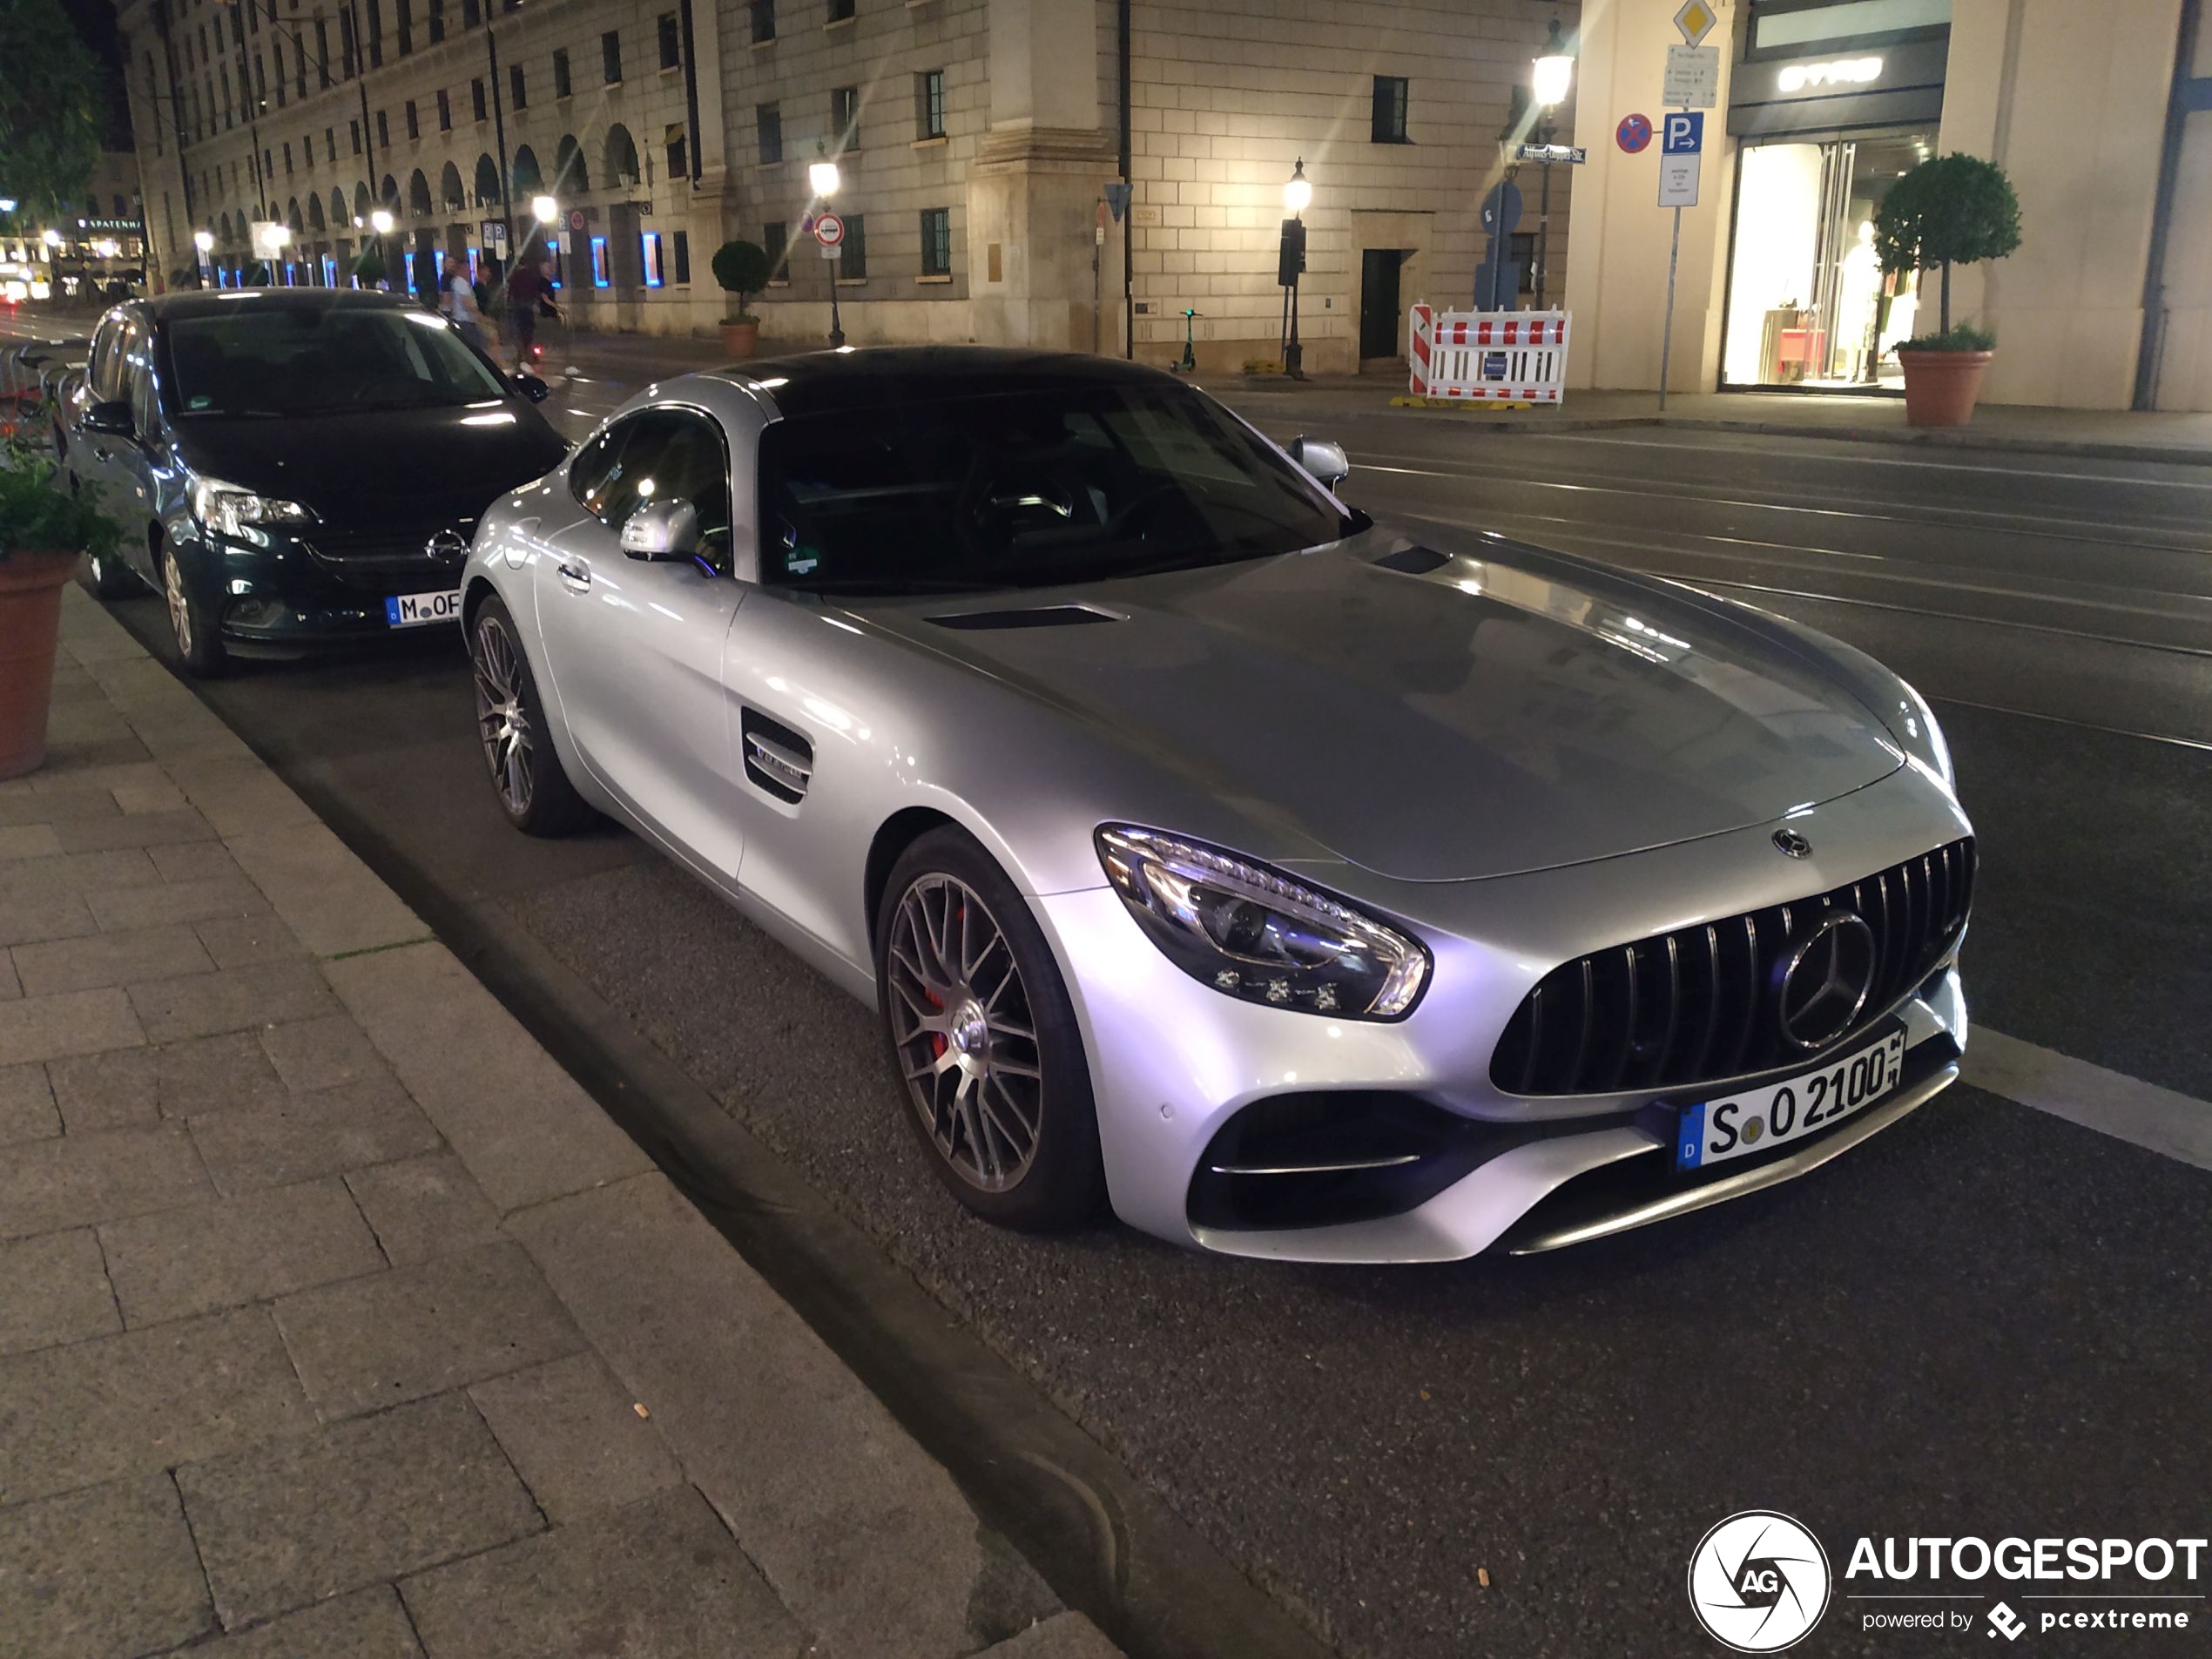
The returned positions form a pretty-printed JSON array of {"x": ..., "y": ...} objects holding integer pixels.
[
  {"x": 460, "y": 303},
  {"x": 529, "y": 291}
]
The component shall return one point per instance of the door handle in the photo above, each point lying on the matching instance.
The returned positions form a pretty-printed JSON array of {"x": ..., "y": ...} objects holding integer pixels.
[
  {"x": 578, "y": 574},
  {"x": 100, "y": 453}
]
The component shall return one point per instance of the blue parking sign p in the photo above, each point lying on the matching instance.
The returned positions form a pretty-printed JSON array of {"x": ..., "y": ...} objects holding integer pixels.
[{"x": 1685, "y": 133}]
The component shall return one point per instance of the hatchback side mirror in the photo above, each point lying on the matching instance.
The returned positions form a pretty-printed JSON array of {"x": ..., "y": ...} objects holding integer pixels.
[
  {"x": 113, "y": 418},
  {"x": 1322, "y": 457},
  {"x": 532, "y": 387},
  {"x": 662, "y": 529}
]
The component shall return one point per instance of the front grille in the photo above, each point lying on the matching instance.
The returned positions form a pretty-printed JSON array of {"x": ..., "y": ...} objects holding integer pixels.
[
  {"x": 383, "y": 560},
  {"x": 1685, "y": 1007}
]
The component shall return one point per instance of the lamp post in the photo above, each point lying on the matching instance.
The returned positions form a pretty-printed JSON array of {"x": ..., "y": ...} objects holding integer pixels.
[
  {"x": 823, "y": 176},
  {"x": 1297, "y": 195},
  {"x": 1552, "y": 76},
  {"x": 203, "y": 241}
]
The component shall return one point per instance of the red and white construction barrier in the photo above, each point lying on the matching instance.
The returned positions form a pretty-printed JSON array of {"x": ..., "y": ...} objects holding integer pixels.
[{"x": 1489, "y": 356}]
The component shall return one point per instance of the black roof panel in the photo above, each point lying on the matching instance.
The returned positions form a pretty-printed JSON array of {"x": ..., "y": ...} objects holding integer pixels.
[
  {"x": 207, "y": 302},
  {"x": 872, "y": 377}
]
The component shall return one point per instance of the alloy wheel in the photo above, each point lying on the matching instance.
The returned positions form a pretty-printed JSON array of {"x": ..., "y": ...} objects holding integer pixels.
[
  {"x": 964, "y": 1033},
  {"x": 173, "y": 584},
  {"x": 503, "y": 723}
]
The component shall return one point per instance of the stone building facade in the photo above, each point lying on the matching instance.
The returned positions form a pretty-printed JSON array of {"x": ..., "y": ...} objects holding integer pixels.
[{"x": 977, "y": 141}]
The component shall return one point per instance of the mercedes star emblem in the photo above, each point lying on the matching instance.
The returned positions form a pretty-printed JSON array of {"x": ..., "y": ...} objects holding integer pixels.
[
  {"x": 1792, "y": 844},
  {"x": 448, "y": 547},
  {"x": 1825, "y": 980}
]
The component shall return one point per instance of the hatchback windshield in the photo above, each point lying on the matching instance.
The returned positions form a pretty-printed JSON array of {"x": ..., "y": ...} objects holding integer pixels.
[
  {"x": 1026, "y": 489},
  {"x": 283, "y": 360}
]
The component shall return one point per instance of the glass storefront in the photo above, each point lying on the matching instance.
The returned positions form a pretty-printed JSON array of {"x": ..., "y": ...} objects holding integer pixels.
[{"x": 1808, "y": 305}]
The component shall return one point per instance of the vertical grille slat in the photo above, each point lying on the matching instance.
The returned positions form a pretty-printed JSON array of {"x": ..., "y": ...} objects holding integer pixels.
[{"x": 1625, "y": 1019}]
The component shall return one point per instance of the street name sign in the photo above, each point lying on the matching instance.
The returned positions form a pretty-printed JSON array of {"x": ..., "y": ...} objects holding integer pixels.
[
  {"x": 1693, "y": 78},
  {"x": 1564, "y": 153}
]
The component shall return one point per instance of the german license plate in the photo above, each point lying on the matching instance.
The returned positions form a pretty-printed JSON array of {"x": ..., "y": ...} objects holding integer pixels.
[
  {"x": 415, "y": 609},
  {"x": 1716, "y": 1130}
]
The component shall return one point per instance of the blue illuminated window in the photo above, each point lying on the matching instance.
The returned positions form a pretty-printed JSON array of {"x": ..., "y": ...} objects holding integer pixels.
[
  {"x": 649, "y": 243},
  {"x": 599, "y": 277}
]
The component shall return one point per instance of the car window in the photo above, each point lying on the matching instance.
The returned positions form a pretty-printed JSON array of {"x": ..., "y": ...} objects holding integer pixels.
[
  {"x": 599, "y": 478},
  {"x": 145, "y": 407},
  {"x": 659, "y": 454},
  {"x": 1025, "y": 489},
  {"x": 289, "y": 360},
  {"x": 100, "y": 367}
]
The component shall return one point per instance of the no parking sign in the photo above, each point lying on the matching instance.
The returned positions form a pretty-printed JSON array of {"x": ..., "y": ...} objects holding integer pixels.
[{"x": 1634, "y": 134}]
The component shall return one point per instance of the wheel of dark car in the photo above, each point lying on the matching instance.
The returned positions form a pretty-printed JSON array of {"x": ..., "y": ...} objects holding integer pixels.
[
  {"x": 983, "y": 1039},
  {"x": 192, "y": 619},
  {"x": 106, "y": 577},
  {"x": 534, "y": 790}
]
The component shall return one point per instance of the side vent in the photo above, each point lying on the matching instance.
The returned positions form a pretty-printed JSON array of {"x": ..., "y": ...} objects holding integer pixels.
[
  {"x": 1025, "y": 617},
  {"x": 1414, "y": 561},
  {"x": 777, "y": 757}
]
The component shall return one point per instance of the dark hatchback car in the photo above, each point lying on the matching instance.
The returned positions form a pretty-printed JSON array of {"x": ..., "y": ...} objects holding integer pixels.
[{"x": 295, "y": 468}]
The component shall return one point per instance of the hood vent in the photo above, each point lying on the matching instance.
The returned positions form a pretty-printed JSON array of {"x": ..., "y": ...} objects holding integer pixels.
[
  {"x": 1413, "y": 561},
  {"x": 1025, "y": 617}
]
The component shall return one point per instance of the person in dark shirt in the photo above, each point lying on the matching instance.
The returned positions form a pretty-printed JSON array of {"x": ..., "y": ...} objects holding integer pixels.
[{"x": 528, "y": 291}]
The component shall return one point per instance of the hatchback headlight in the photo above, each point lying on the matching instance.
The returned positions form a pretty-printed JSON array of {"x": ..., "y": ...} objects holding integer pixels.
[
  {"x": 227, "y": 509},
  {"x": 1252, "y": 933}
]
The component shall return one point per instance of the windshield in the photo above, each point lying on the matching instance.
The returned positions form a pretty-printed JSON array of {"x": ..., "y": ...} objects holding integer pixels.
[
  {"x": 1025, "y": 490},
  {"x": 285, "y": 360}
]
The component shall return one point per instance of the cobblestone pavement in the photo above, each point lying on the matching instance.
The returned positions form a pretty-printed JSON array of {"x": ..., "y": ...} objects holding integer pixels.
[{"x": 337, "y": 1320}]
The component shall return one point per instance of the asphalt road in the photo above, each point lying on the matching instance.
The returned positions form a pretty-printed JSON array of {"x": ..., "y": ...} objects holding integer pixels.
[{"x": 1986, "y": 1321}]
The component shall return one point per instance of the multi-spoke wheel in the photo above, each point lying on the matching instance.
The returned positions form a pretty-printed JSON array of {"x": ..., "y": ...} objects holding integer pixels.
[
  {"x": 983, "y": 1038},
  {"x": 533, "y": 789},
  {"x": 192, "y": 619}
]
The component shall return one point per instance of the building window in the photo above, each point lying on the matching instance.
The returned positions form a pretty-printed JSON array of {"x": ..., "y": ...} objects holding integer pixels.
[
  {"x": 763, "y": 21},
  {"x": 683, "y": 252},
  {"x": 445, "y": 111},
  {"x": 561, "y": 74},
  {"x": 649, "y": 249},
  {"x": 287, "y": 157},
  {"x": 769, "y": 119},
  {"x": 330, "y": 143},
  {"x": 405, "y": 11},
  {"x": 840, "y": 10},
  {"x": 679, "y": 164},
  {"x": 929, "y": 103},
  {"x": 853, "y": 251},
  {"x": 383, "y": 131},
  {"x": 354, "y": 130},
  {"x": 845, "y": 116},
  {"x": 322, "y": 50},
  {"x": 437, "y": 16},
  {"x": 414, "y": 122},
  {"x": 671, "y": 41},
  {"x": 1389, "y": 109},
  {"x": 775, "y": 242},
  {"x": 472, "y": 13},
  {"x": 346, "y": 44},
  {"x": 600, "y": 278},
  {"x": 936, "y": 241},
  {"x": 375, "y": 34},
  {"x": 476, "y": 99},
  {"x": 518, "y": 93},
  {"x": 611, "y": 55}
]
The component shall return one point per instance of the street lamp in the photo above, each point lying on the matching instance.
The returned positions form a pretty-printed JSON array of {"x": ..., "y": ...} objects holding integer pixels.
[
  {"x": 1297, "y": 195},
  {"x": 380, "y": 221},
  {"x": 7, "y": 204},
  {"x": 822, "y": 175},
  {"x": 205, "y": 242},
  {"x": 1550, "y": 80},
  {"x": 50, "y": 237},
  {"x": 545, "y": 209}
]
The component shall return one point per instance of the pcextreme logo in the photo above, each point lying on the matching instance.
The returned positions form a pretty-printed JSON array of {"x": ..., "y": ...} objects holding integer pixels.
[{"x": 1758, "y": 1581}]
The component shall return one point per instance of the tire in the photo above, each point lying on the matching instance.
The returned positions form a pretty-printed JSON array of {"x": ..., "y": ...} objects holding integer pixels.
[
  {"x": 1003, "y": 1108},
  {"x": 106, "y": 577},
  {"x": 527, "y": 776},
  {"x": 192, "y": 621}
]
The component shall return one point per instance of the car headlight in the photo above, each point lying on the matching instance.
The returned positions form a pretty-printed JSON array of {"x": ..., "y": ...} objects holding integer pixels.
[
  {"x": 1923, "y": 736},
  {"x": 1252, "y": 933},
  {"x": 227, "y": 509}
]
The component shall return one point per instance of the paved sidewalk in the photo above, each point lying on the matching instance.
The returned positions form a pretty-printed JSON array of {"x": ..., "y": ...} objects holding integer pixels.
[{"x": 336, "y": 1320}]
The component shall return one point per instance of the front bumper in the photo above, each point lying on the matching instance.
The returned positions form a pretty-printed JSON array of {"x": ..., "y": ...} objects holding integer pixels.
[
  {"x": 288, "y": 598},
  {"x": 1175, "y": 1064}
]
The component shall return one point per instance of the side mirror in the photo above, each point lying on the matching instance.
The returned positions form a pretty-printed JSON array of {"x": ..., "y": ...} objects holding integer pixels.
[
  {"x": 662, "y": 529},
  {"x": 1323, "y": 457},
  {"x": 532, "y": 387},
  {"x": 113, "y": 418}
]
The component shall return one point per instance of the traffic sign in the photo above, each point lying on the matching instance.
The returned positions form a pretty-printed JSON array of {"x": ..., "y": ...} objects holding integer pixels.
[
  {"x": 1679, "y": 178},
  {"x": 829, "y": 230},
  {"x": 1564, "y": 153},
  {"x": 1696, "y": 20},
  {"x": 1634, "y": 133},
  {"x": 1693, "y": 80},
  {"x": 1502, "y": 208},
  {"x": 1685, "y": 134},
  {"x": 575, "y": 220}
]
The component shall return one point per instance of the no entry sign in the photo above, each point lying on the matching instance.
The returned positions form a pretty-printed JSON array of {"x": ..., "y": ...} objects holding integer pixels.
[{"x": 829, "y": 230}]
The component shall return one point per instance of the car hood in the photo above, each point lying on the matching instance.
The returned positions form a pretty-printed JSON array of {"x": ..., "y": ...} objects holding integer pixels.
[
  {"x": 386, "y": 466},
  {"x": 1505, "y": 711}
]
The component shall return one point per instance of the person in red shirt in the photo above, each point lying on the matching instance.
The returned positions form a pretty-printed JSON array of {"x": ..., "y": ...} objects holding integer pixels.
[{"x": 528, "y": 291}]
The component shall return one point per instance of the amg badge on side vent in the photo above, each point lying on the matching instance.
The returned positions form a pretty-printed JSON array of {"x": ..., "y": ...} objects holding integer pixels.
[{"x": 776, "y": 758}]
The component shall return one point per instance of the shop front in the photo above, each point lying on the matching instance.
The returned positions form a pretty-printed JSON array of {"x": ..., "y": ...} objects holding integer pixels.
[{"x": 1831, "y": 101}]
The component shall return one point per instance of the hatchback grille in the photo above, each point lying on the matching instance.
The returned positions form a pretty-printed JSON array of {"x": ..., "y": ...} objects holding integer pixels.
[{"x": 1698, "y": 1004}]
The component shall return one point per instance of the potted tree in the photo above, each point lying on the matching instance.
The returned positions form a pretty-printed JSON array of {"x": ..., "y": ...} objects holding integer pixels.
[
  {"x": 44, "y": 531},
  {"x": 741, "y": 269},
  {"x": 1950, "y": 210},
  {"x": 369, "y": 266}
]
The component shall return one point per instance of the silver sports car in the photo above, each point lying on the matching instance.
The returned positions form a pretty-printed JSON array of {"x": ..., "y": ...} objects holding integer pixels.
[{"x": 1299, "y": 887}]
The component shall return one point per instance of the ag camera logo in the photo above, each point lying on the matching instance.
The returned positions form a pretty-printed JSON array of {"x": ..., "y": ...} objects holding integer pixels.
[{"x": 1759, "y": 1582}]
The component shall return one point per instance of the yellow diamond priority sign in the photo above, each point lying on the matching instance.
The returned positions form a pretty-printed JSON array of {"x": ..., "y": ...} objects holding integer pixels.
[{"x": 1696, "y": 21}]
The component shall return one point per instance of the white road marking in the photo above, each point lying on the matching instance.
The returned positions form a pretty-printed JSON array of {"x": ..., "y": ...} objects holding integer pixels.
[{"x": 2158, "y": 1120}]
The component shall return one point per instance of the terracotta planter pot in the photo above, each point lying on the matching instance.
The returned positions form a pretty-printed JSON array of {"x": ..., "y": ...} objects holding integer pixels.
[
  {"x": 741, "y": 339},
  {"x": 1941, "y": 387},
  {"x": 31, "y": 615}
]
